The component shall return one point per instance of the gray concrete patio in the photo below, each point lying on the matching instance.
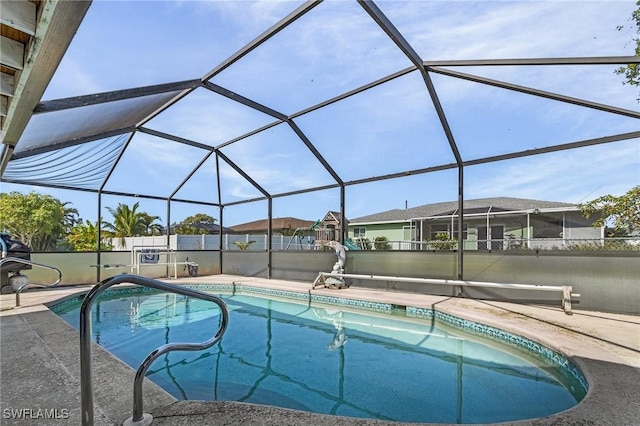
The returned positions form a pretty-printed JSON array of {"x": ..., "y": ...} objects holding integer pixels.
[{"x": 39, "y": 355}]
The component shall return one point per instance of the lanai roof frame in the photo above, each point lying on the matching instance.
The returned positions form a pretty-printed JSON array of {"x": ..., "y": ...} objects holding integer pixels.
[{"x": 174, "y": 92}]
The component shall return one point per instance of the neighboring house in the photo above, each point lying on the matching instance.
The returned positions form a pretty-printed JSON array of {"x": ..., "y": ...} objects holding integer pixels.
[
  {"x": 288, "y": 233},
  {"x": 318, "y": 232},
  {"x": 489, "y": 224},
  {"x": 281, "y": 225}
]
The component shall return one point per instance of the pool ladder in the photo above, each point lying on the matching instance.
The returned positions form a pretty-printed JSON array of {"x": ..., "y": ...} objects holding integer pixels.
[
  {"x": 23, "y": 284},
  {"x": 139, "y": 418}
]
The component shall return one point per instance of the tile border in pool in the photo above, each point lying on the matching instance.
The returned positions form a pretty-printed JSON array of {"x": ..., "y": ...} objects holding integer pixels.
[
  {"x": 360, "y": 304},
  {"x": 494, "y": 333}
]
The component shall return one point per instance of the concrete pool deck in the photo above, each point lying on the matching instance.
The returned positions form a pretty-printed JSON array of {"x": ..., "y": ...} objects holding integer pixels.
[{"x": 39, "y": 357}]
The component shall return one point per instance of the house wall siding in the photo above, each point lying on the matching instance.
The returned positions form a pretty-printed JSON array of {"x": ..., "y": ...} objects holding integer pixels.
[
  {"x": 393, "y": 231},
  {"x": 550, "y": 230}
]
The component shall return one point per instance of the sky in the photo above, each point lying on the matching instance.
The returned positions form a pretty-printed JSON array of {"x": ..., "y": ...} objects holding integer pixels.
[{"x": 391, "y": 128}]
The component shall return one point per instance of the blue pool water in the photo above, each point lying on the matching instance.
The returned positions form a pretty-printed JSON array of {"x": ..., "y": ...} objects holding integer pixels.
[{"x": 329, "y": 359}]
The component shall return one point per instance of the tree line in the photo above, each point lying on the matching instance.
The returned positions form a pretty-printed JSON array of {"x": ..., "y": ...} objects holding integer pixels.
[{"x": 45, "y": 223}]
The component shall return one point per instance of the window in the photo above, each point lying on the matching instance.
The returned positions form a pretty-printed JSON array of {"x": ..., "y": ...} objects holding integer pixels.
[
  {"x": 359, "y": 232},
  {"x": 546, "y": 227},
  {"x": 409, "y": 233}
]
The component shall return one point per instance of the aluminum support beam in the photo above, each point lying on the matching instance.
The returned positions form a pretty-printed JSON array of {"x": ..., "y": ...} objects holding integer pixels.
[
  {"x": 113, "y": 166},
  {"x": 603, "y": 60},
  {"x": 220, "y": 211},
  {"x": 460, "y": 263},
  {"x": 278, "y": 115},
  {"x": 535, "y": 92},
  {"x": 269, "y": 237},
  {"x": 355, "y": 91},
  {"x": 554, "y": 148},
  {"x": 176, "y": 138},
  {"x": 395, "y": 35},
  {"x": 113, "y": 96},
  {"x": 209, "y": 148},
  {"x": 249, "y": 134},
  {"x": 244, "y": 101},
  {"x": 343, "y": 219},
  {"x": 241, "y": 172},
  {"x": 449, "y": 166},
  {"x": 190, "y": 175},
  {"x": 315, "y": 152},
  {"x": 99, "y": 251}
]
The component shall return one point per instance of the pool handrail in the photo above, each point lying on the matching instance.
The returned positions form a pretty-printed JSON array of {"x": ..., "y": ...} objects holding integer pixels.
[
  {"x": 32, "y": 263},
  {"x": 567, "y": 294},
  {"x": 86, "y": 380}
]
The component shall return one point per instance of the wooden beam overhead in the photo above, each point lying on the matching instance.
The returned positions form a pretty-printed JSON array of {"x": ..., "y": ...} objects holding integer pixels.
[{"x": 57, "y": 23}]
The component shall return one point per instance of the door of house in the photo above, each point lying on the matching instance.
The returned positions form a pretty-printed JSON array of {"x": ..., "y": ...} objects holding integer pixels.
[{"x": 491, "y": 240}]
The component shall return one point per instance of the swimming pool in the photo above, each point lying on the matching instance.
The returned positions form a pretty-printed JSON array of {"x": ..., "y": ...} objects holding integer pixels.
[{"x": 332, "y": 359}]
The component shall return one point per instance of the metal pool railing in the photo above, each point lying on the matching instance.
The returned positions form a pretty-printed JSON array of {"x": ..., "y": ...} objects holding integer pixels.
[
  {"x": 26, "y": 283},
  {"x": 86, "y": 380}
]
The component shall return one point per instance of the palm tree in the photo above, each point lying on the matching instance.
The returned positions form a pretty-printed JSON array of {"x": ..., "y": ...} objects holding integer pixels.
[
  {"x": 127, "y": 222},
  {"x": 243, "y": 245},
  {"x": 151, "y": 228},
  {"x": 84, "y": 237}
]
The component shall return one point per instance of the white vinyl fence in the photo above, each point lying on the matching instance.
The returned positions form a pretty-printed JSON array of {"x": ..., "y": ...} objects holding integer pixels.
[{"x": 256, "y": 242}]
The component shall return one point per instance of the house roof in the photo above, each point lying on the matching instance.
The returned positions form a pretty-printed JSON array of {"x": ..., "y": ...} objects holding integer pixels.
[
  {"x": 212, "y": 228},
  {"x": 277, "y": 224},
  {"x": 470, "y": 206}
]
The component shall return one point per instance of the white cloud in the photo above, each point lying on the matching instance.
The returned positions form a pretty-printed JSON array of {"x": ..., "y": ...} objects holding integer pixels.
[
  {"x": 72, "y": 79},
  {"x": 251, "y": 14},
  {"x": 163, "y": 156},
  {"x": 571, "y": 176},
  {"x": 278, "y": 167},
  {"x": 474, "y": 30},
  {"x": 334, "y": 48},
  {"x": 235, "y": 186}
]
